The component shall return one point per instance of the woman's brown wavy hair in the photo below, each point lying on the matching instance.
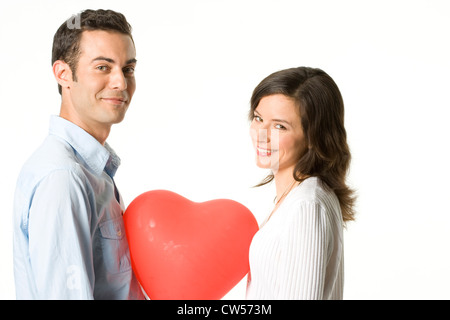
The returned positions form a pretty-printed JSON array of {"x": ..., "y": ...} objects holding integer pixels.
[{"x": 322, "y": 117}]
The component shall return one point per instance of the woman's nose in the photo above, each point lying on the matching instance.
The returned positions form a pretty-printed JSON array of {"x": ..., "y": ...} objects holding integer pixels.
[
  {"x": 264, "y": 135},
  {"x": 261, "y": 135}
]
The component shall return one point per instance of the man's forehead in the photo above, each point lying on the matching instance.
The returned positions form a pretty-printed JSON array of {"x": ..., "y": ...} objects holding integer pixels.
[{"x": 108, "y": 44}]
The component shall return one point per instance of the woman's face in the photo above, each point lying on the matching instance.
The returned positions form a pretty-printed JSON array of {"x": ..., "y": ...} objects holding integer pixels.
[{"x": 277, "y": 133}]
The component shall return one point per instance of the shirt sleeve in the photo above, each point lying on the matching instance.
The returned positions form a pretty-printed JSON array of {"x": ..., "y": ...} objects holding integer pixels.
[
  {"x": 303, "y": 260},
  {"x": 60, "y": 238}
]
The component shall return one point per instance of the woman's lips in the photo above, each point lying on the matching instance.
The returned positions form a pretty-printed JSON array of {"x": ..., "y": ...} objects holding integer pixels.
[{"x": 264, "y": 152}]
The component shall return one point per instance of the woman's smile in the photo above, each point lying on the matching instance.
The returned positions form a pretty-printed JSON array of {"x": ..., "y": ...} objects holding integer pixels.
[{"x": 263, "y": 152}]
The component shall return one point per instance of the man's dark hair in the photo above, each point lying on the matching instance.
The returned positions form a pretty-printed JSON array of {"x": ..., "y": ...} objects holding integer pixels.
[{"x": 66, "y": 41}]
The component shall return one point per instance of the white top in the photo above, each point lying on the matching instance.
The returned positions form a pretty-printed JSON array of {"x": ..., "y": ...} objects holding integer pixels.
[{"x": 298, "y": 253}]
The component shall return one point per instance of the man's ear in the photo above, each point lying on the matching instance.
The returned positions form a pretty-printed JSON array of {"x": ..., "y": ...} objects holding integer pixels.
[{"x": 62, "y": 73}]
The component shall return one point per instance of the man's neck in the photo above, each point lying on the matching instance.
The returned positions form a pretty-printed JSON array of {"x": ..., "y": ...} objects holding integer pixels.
[{"x": 98, "y": 131}]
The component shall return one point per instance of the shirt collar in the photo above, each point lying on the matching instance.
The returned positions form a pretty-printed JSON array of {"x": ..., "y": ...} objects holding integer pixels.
[{"x": 96, "y": 156}]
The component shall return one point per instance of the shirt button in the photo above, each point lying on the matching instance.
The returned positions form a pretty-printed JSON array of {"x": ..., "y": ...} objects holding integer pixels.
[{"x": 119, "y": 233}]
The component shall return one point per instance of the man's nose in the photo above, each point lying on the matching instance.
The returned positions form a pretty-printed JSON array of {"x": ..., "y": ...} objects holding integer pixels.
[{"x": 118, "y": 80}]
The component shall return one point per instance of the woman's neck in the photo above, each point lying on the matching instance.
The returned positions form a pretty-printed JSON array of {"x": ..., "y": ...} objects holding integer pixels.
[{"x": 284, "y": 180}]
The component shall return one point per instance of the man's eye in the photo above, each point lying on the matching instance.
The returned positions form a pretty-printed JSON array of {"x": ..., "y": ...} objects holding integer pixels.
[
  {"x": 102, "y": 68},
  {"x": 129, "y": 70}
]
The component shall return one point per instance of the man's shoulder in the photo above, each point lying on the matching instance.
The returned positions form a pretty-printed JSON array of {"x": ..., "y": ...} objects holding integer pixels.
[{"x": 53, "y": 155}]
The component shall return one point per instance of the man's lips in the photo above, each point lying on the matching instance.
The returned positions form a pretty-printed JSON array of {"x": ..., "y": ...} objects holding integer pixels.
[{"x": 115, "y": 100}]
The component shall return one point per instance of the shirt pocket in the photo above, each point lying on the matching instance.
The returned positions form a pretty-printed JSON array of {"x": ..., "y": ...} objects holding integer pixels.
[{"x": 115, "y": 252}]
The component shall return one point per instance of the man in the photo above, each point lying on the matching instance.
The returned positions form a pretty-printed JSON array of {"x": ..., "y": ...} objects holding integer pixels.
[{"x": 69, "y": 237}]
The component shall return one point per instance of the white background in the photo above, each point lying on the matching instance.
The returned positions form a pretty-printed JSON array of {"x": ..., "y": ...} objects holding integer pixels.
[{"x": 187, "y": 129}]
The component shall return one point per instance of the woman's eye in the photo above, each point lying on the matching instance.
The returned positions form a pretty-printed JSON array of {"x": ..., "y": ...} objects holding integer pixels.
[
  {"x": 257, "y": 118},
  {"x": 279, "y": 126}
]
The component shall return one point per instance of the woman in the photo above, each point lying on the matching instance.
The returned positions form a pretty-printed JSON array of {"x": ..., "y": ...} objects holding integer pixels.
[{"x": 298, "y": 132}]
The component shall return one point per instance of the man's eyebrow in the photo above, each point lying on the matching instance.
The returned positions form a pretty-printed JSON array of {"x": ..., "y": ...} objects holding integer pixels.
[
  {"x": 133, "y": 60},
  {"x": 103, "y": 58}
]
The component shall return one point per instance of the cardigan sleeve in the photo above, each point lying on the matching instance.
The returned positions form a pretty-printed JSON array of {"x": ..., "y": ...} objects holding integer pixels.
[{"x": 304, "y": 256}]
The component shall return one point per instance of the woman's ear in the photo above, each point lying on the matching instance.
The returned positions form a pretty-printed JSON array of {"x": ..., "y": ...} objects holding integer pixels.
[{"x": 62, "y": 73}]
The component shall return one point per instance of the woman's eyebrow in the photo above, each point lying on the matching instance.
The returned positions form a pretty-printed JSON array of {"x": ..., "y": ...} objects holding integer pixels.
[
  {"x": 283, "y": 121},
  {"x": 274, "y": 120}
]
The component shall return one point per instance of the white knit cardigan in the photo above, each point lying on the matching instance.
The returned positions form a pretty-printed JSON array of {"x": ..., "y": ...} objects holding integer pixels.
[{"x": 298, "y": 253}]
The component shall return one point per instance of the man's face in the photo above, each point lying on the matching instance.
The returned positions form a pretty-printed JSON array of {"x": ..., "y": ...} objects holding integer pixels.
[{"x": 105, "y": 81}]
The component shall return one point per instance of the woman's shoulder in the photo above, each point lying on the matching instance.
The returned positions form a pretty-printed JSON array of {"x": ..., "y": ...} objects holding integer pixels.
[
  {"x": 313, "y": 190},
  {"x": 313, "y": 198}
]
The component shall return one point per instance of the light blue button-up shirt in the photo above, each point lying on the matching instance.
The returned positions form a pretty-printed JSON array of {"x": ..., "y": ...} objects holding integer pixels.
[{"x": 69, "y": 236}]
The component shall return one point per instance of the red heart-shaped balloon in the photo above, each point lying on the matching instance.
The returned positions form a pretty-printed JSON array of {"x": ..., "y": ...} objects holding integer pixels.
[{"x": 188, "y": 250}]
